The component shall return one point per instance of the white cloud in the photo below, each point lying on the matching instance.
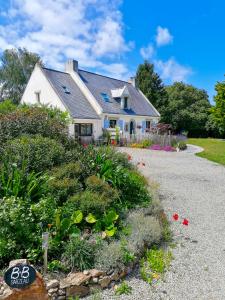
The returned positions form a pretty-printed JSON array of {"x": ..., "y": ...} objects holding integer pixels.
[
  {"x": 86, "y": 30},
  {"x": 147, "y": 52},
  {"x": 163, "y": 36},
  {"x": 172, "y": 71}
]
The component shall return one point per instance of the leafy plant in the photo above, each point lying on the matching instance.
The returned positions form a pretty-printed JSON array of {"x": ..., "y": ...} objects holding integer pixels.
[
  {"x": 79, "y": 253},
  {"x": 18, "y": 182},
  {"x": 123, "y": 289},
  {"x": 56, "y": 265},
  {"x": 155, "y": 263},
  {"x": 182, "y": 145}
]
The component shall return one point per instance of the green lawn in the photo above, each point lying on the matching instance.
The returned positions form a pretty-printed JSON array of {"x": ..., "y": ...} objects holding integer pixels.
[{"x": 214, "y": 149}]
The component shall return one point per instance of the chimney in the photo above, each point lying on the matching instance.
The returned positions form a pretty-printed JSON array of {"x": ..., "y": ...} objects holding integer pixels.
[
  {"x": 71, "y": 66},
  {"x": 132, "y": 80}
]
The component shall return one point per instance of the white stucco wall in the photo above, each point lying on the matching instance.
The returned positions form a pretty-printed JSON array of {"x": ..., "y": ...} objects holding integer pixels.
[{"x": 39, "y": 83}]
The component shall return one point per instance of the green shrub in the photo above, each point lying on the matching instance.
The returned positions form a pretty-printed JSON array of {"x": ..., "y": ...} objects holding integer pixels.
[
  {"x": 134, "y": 190},
  {"x": 88, "y": 202},
  {"x": 18, "y": 182},
  {"x": 146, "y": 143},
  {"x": 79, "y": 253},
  {"x": 7, "y": 106},
  {"x": 33, "y": 120},
  {"x": 21, "y": 228},
  {"x": 145, "y": 231},
  {"x": 110, "y": 256},
  {"x": 40, "y": 153},
  {"x": 63, "y": 188},
  {"x": 67, "y": 180},
  {"x": 95, "y": 184},
  {"x": 182, "y": 145}
]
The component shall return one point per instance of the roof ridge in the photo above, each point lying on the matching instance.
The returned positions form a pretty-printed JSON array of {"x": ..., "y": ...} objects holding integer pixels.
[
  {"x": 49, "y": 69},
  {"x": 104, "y": 76}
]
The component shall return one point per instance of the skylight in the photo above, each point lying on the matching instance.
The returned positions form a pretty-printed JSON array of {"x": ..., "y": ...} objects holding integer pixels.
[
  {"x": 105, "y": 97},
  {"x": 66, "y": 90}
]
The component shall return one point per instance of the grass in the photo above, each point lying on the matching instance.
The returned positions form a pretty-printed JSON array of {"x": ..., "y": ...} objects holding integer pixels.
[{"x": 214, "y": 149}]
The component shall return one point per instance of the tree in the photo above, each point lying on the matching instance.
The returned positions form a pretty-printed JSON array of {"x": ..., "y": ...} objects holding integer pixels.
[
  {"x": 149, "y": 82},
  {"x": 218, "y": 111},
  {"x": 188, "y": 109},
  {"x": 16, "y": 66}
]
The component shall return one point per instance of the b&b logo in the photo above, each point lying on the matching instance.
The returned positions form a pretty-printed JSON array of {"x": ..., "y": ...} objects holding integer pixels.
[{"x": 20, "y": 276}]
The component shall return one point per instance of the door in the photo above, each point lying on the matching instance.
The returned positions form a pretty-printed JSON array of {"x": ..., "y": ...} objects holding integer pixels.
[{"x": 132, "y": 127}]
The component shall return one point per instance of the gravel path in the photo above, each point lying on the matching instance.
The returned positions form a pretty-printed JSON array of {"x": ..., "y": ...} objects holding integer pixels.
[{"x": 195, "y": 189}]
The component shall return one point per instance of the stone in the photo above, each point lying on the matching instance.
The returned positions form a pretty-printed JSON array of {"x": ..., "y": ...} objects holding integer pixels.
[
  {"x": 61, "y": 298},
  {"x": 36, "y": 291},
  {"x": 61, "y": 292},
  {"x": 52, "y": 291},
  {"x": 115, "y": 276},
  {"x": 74, "y": 279},
  {"x": 105, "y": 281},
  {"x": 52, "y": 284},
  {"x": 123, "y": 273},
  {"x": 86, "y": 272},
  {"x": 76, "y": 290},
  {"x": 112, "y": 284},
  {"x": 95, "y": 279},
  {"x": 96, "y": 273},
  {"x": 18, "y": 262}
]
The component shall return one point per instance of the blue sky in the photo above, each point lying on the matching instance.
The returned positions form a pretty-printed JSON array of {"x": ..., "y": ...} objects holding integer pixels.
[{"x": 184, "y": 39}]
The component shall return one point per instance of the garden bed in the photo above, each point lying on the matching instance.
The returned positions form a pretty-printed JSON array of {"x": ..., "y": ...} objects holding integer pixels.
[{"x": 99, "y": 211}]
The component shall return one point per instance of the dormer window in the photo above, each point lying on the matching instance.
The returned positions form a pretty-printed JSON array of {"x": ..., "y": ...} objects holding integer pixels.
[{"x": 125, "y": 102}]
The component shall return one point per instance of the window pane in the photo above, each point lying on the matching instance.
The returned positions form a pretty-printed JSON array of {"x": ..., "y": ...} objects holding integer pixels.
[
  {"x": 112, "y": 123},
  {"x": 89, "y": 129}
]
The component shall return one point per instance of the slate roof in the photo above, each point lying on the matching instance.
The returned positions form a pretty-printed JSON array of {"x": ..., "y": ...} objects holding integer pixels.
[
  {"x": 79, "y": 107},
  {"x": 98, "y": 84},
  {"x": 76, "y": 103}
]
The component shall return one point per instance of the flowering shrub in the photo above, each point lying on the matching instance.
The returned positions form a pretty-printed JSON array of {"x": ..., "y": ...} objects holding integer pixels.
[{"x": 164, "y": 148}]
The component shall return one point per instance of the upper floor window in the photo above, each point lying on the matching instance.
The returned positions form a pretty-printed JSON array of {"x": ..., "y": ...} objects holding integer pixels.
[
  {"x": 125, "y": 102},
  {"x": 105, "y": 97},
  {"x": 38, "y": 96}
]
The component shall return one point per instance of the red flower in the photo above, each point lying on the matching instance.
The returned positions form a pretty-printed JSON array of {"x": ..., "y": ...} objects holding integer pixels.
[
  {"x": 85, "y": 145},
  {"x": 185, "y": 222},
  {"x": 175, "y": 217},
  {"x": 113, "y": 142},
  {"x": 129, "y": 157}
]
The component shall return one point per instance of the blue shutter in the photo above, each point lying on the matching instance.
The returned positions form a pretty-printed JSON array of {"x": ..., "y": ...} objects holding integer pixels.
[
  {"x": 143, "y": 126},
  {"x": 121, "y": 124},
  {"x": 106, "y": 124}
]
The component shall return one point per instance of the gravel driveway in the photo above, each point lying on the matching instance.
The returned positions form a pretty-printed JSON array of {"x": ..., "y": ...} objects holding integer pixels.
[{"x": 195, "y": 189}]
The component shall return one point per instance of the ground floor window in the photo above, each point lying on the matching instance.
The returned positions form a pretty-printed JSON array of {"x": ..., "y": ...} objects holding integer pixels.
[
  {"x": 148, "y": 124},
  {"x": 83, "y": 129},
  {"x": 112, "y": 123}
]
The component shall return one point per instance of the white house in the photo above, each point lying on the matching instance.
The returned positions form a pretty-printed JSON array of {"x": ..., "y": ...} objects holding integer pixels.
[{"x": 93, "y": 101}]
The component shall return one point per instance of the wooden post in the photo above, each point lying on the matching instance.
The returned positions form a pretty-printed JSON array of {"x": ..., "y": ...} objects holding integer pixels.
[{"x": 45, "y": 237}]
